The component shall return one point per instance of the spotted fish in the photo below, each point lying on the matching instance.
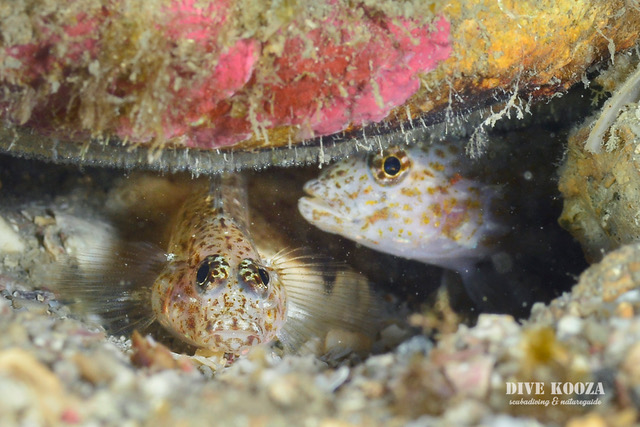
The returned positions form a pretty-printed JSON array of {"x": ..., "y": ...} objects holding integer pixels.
[
  {"x": 216, "y": 291},
  {"x": 216, "y": 287},
  {"x": 421, "y": 202}
]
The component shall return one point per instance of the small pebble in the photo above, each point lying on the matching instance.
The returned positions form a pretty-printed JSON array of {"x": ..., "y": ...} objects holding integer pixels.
[
  {"x": 10, "y": 240},
  {"x": 590, "y": 420},
  {"x": 625, "y": 310},
  {"x": 569, "y": 326},
  {"x": 330, "y": 381},
  {"x": 285, "y": 391}
]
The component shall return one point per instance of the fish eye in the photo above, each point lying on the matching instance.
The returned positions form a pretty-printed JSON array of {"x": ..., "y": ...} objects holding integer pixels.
[
  {"x": 390, "y": 166},
  {"x": 214, "y": 269},
  {"x": 254, "y": 277},
  {"x": 202, "y": 275},
  {"x": 264, "y": 275}
]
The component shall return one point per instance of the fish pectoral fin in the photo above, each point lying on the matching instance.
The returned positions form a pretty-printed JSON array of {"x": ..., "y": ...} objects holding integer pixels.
[
  {"x": 108, "y": 277},
  {"x": 330, "y": 308}
]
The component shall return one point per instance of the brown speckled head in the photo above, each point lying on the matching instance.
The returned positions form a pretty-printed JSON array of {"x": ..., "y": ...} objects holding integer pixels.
[{"x": 216, "y": 292}]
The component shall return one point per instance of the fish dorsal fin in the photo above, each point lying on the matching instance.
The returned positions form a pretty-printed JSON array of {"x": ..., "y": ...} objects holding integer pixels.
[{"x": 228, "y": 194}]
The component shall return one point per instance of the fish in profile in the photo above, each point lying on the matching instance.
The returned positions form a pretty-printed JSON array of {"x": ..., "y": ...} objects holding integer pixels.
[
  {"x": 421, "y": 202},
  {"x": 213, "y": 285}
]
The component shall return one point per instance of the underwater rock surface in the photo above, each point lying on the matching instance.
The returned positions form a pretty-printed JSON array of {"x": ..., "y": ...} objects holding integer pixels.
[
  {"x": 93, "y": 83},
  {"x": 58, "y": 370},
  {"x": 601, "y": 183},
  {"x": 571, "y": 359},
  {"x": 447, "y": 366}
]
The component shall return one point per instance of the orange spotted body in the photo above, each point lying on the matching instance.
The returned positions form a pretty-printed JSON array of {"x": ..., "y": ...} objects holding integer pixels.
[
  {"x": 216, "y": 291},
  {"x": 418, "y": 202}
]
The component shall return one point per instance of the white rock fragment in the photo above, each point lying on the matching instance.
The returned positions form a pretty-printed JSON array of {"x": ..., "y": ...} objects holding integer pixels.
[
  {"x": 471, "y": 377},
  {"x": 332, "y": 380},
  {"x": 158, "y": 387},
  {"x": 10, "y": 240},
  {"x": 417, "y": 344},
  {"x": 629, "y": 296},
  {"x": 569, "y": 326},
  {"x": 393, "y": 334},
  {"x": 495, "y": 327},
  {"x": 285, "y": 390}
]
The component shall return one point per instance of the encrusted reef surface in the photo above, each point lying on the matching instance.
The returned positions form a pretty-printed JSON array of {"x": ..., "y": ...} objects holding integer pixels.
[
  {"x": 58, "y": 370},
  {"x": 571, "y": 362},
  {"x": 600, "y": 175},
  {"x": 555, "y": 345},
  {"x": 246, "y": 75}
]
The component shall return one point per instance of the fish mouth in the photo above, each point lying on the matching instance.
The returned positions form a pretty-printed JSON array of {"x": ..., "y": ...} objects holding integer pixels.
[
  {"x": 240, "y": 329},
  {"x": 319, "y": 211},
  {"x": 310, "y": 188},
  {"x": 235, "y": 334},
  {"x": 322, "y": 214},
  {"x": 234, "y": 340}
]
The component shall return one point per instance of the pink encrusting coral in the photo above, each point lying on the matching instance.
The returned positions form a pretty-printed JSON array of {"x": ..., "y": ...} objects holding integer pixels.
[
  {"x": 198, "y": 98},
  {"x": 34, "y": 60},
  {"x": 209, "y": 74},
  {"x": 346, "y": 81},
  {"x": 235, "y": 63}
]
